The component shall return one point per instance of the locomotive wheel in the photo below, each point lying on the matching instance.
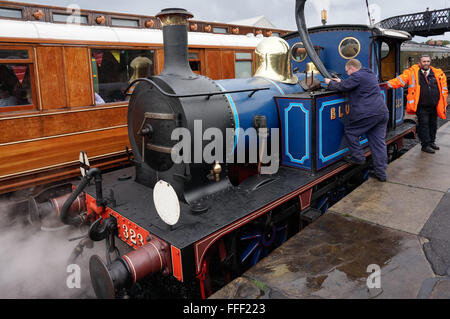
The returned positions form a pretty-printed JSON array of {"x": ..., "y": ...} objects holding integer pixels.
[
  {"x": 259, "y": 242},
  {"x": 323, "y": 203},
  {"x": 330, "y": 198},
  {"x": 255, "y": 241}
]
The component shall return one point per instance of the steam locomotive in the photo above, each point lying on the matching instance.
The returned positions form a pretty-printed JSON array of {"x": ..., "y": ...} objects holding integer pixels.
[{"x": 204, "y": 200}]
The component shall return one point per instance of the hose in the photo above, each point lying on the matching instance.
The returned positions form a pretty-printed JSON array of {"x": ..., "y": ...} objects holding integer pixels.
[
  {"x": 303, "y": 32},
  {"x": 77, "y": 220}
]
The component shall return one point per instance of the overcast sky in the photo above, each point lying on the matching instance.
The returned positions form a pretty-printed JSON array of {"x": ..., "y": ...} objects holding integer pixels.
[{"x": 279, "y": 12}]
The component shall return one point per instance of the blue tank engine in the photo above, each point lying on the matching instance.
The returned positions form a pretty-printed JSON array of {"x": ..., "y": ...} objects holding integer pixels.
[{"x": 198, "y": 219}]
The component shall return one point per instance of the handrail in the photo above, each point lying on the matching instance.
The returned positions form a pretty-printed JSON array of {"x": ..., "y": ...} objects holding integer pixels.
[{"x": 207, "y": 94}]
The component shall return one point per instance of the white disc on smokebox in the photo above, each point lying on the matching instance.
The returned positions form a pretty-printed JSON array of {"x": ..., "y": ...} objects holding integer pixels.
[{"x": 166, "y": 202}]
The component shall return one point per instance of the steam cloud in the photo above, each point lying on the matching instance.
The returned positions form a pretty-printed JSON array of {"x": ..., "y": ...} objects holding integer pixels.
[{"x": 33, "y": 263}]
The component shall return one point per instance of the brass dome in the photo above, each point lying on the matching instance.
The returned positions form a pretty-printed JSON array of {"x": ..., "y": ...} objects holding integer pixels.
[
  {"x": 273, "y": 60},
  {"x": 141, "y": 68}
]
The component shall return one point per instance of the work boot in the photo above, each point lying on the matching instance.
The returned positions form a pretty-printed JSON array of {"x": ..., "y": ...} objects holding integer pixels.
[
  {"x": 352, "y": 160},
  {"x": 434, "y": 146},
  {"x": 428, "y": 149},
  {"x": 380, "y": 179}
]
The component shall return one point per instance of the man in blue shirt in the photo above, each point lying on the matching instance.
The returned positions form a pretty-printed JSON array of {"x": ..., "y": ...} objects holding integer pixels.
[{"x": 368, "y": 115}]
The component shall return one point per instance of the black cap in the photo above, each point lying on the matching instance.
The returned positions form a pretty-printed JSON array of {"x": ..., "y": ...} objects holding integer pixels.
[{"x": 175, "y": 11}]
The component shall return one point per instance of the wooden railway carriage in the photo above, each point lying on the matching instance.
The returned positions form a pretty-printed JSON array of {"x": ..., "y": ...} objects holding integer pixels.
[{"x": 64, "y": 83}]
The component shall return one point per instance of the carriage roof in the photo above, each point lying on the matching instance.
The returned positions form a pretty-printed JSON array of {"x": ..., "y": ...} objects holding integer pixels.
[{"x": 34, "y": 30}]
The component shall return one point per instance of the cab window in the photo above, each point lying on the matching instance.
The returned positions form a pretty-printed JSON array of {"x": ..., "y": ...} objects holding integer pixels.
[
  {"x": 299, "y": 52},
  {"x": 349, "y": 48}
]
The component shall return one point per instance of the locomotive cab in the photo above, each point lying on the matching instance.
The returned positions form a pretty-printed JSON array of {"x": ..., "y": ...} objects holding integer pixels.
[
  {"x": 377, "y": 49},
  {"x": 318, "y": 119}
]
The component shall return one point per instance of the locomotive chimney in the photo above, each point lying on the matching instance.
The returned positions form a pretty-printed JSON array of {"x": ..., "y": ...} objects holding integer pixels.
[{"x": 175, "y": 36}]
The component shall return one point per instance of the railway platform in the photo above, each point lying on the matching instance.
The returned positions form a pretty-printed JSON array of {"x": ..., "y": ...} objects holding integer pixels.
[{"x": 383, "y": 240}]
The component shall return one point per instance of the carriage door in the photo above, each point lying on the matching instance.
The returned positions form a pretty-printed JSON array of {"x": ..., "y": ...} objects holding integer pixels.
[{"x": 389, "y": 69}]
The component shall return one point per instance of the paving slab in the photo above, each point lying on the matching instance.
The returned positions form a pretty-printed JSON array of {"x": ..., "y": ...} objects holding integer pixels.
[
  {"x": 397, "y": 206},
  {"x": 331, "y": 258},
  {"x": 401, "y": 225},
  {"x": 420, "y": 169},
  {"x": 437, "y": 231},
  {"x": 441, "y": 290},
  {"x": 441, "y": 156}
]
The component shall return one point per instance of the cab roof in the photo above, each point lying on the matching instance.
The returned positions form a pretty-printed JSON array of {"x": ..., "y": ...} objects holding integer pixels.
[{"x": 380, "y": 32}]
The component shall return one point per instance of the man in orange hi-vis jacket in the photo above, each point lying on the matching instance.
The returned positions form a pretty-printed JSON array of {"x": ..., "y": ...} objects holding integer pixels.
[{"x": 427, "y": 98}]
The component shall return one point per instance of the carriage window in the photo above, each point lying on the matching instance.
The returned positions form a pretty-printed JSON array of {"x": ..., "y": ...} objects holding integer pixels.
[
  {"x": 15, "y": 85},
  {"x": 243, "y": 65},
  {"x": 16, "y": 69},
  {"x": 194, "y": 62},
  {"x": 68, "y": 18},
  {"x": 13, "y": 54},
  {"x": 220, "y": 30},
  {"x": 299, "y": 52},
  {"x": 113, "y": 70},
  {"x": 11, "y": 13},
  {"x": 124, "y": 23},
  {"x": 349, "y": 48}
]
